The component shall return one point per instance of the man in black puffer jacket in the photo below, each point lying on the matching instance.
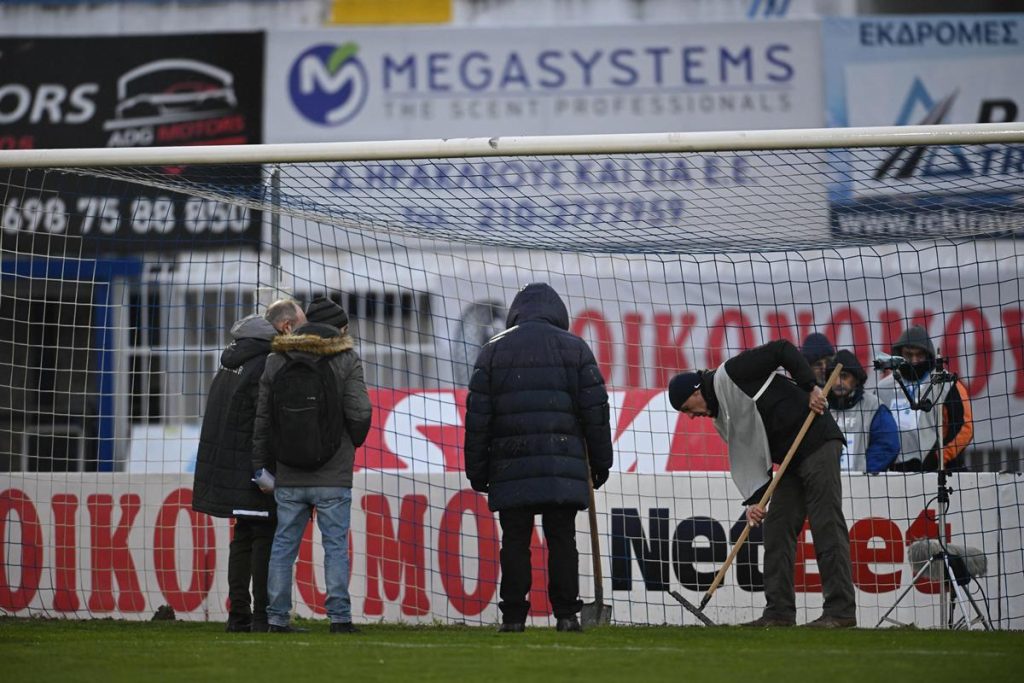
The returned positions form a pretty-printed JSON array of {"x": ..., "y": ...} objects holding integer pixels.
[
  {"x": 537, "y": 410},
  {"x": 222, "y": 486}
]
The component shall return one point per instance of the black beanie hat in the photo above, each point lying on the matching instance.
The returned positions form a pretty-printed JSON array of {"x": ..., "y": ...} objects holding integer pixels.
[
  {"x": 681, "y": 387},
  {"x": 323, "y": 310},
  {"x": 850, "y": 364},
  {"x": 817, "y": 346}
]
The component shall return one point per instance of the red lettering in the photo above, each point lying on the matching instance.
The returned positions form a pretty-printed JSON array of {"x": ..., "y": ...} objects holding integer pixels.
[
  {"x": 669, "y": 358},
  {"x": 204, "y": 552},
  {"x": 805, "y": 321},
  {"x": 65, "y": 594},
  {"x": 602, "y": 339},
  {"x": 892, "y": 328},
  {"x": 861, "y": 335},
  {"x": 110, "y": 555},
  {"x": 729, "y": 319},
  {"x": 922, "y": 317},
  {"x": 1013, "y": 323},
  {"x": 926, "y": 526},
  {"x": 387, "y": 555},
  {"x": 982, "y": 366},
  {"x": 805, "y": 580},
  {"x": 14, "y": 598},
  {"x": 450, "y": 554},
  {"x": 632, "y": 323},
  {"x": 779, "y": 327},
  {"x": 540, "y": 604},
  {"x": 864, "y": 553}
]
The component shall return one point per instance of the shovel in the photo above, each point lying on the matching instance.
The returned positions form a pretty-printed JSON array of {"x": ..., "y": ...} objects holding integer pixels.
[
  {"x": 595, "y": 613},
  {"x": 763, "y": 503}
]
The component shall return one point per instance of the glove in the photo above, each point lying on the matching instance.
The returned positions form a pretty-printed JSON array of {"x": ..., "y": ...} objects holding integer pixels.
[
  {"x": 599, "y": 477},
  {"x": 480, "y": 486}
]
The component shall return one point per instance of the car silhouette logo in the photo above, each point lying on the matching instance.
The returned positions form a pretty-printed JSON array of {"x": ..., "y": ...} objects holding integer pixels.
[{"x": 170, "y": 90}]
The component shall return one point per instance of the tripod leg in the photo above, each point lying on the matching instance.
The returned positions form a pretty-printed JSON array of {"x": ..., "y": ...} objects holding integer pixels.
[
  {"x": 977, "y": 610},
  {"x": 957, "y": 597},
  {"x": 885, "y": 617}
]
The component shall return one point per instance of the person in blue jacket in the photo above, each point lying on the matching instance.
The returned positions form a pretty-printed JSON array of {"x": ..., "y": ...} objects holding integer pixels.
[{"x": 872, "y": 437}]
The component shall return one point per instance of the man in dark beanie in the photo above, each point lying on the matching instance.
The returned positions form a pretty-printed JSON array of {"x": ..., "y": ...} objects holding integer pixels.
[
  {"x": 818, "y": 351},
  {"x": 872, "y": 438},
  {"x": 919, "y": 429},
  {"x": 537, "y": 428},
  {"x": 313, "y": 412},
  {"x": 758, "y": 413}
]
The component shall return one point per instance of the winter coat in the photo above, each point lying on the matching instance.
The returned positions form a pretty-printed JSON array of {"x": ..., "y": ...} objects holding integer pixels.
[
  {"x": 537, "y": 408},
  {"x": 317, "y": 340},
  {"x": 222, "y": 486}
]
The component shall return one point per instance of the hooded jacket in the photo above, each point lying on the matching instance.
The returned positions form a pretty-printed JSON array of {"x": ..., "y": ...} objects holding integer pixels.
[
  {"x": 537, "y": 409},
  {"x": 317, "y": 340},
  {"x": 920, "y": 443},
  {"x": 222, "y": 486}
]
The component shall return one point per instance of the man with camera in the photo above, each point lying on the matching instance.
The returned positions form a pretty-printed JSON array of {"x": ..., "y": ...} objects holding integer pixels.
[
  {"x": 918, "y": 383},
  {"x": 872, "y": 437}
]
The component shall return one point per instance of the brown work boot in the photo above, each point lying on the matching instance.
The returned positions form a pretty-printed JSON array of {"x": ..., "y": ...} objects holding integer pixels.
[
  {"x": 826, "y": 621},
  {"x": 769, "y": 622}
]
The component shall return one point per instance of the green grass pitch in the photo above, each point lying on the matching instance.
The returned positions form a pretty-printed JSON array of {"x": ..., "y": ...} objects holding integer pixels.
[{"x": 114, "y": 651}]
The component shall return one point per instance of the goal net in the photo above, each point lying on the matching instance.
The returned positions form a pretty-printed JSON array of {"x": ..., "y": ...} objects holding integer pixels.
[{"x": 123, "y": 271}]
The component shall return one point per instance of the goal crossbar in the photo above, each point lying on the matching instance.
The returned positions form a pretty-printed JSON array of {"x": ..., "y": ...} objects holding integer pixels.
[{"x": 630, "y": 143}]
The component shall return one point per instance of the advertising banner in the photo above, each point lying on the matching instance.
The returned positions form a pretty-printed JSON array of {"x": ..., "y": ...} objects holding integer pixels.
[
  {"x": 425, "y": 548},
  {"x": 934, "y": 69},
  {"x": 409, "y": 83},
  {"x": 136, "y": 91}
]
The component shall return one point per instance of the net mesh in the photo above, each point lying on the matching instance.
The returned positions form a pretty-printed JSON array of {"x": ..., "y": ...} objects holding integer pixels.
[{"x": 120, "y": 285}]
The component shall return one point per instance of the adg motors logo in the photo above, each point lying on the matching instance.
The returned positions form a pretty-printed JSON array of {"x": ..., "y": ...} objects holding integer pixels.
[{"x": 328, "y": 84}]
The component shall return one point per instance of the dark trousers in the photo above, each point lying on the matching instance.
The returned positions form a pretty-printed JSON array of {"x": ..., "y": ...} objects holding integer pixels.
[
  {"x": 248, "y": 559},
  {"x": 810, "y": 488},
  {"x": 516, "y": 571}
]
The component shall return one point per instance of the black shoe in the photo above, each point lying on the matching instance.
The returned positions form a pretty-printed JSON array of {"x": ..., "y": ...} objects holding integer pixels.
[
  {"x": 238, "y": 627},
  {"x": 568, "y": 624},
  {"x": 512, "y": 627},
  {"x": 260, "y": 626},
  {"x": 832, "y": 622},
  {"x": 287, "y": 628},
  {"x": 769, "y": 622},
  {"x": 344, "y": 627}
]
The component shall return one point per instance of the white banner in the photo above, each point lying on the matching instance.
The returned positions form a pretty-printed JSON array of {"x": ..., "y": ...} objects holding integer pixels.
[
  {"x": 425, "y": 548},
  {"x": 383, "y": 84}
]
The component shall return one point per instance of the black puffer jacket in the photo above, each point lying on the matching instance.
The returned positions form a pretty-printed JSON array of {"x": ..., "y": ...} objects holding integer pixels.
[
  {"x": 537, "y": 405},
  {"x": 222, "y": 485}
]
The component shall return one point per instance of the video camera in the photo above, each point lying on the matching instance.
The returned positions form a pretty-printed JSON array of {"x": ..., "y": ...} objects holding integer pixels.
[{"x": 884, "y": 361}]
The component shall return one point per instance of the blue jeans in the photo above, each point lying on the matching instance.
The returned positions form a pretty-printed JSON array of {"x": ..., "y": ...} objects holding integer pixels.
[{"x": 333, "y": 511}]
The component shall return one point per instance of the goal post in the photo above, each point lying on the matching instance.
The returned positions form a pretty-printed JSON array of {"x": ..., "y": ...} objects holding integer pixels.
[{"x": 123, "y": 270}]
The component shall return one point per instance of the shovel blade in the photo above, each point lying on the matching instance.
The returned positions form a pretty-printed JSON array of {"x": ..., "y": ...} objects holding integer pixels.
[{"x": 595, "y": 614}]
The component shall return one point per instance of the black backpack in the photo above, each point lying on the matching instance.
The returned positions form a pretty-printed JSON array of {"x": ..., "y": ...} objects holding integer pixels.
[{"x": 306, "y": 413}]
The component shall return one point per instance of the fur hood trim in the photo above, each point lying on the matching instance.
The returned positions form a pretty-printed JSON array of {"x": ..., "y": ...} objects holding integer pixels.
[{"x": 312, "y": 343}]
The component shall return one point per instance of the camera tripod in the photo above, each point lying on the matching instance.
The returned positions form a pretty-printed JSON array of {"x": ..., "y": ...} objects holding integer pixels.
[{"x": 953, "y": 574}]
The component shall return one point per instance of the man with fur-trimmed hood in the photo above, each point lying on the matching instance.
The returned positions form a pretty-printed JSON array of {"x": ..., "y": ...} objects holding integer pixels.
[
  {"x": 327, "y": 488},
  {"x": 872, "y": 437}
]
